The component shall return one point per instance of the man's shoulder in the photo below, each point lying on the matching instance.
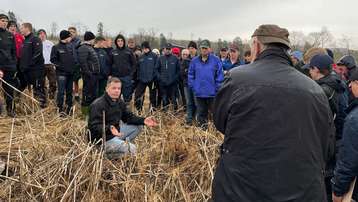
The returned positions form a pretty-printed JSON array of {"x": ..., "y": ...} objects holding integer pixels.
[{"x": 99, "y": 102}]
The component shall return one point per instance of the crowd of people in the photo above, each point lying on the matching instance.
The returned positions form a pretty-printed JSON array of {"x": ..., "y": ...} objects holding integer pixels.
[{"x": 290, "y": 119}]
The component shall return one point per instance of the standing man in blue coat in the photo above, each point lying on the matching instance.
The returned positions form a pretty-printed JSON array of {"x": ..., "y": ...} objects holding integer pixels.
[{"x": 205, "y": 77}]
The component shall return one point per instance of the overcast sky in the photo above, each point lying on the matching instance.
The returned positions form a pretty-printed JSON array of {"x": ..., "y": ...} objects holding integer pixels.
[{"x": 191, "y": 19}]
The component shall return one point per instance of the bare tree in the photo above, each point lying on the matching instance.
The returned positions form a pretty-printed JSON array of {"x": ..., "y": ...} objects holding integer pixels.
[
  {"x": 297, "y": 39},
  {"x": 346, "y": 42}
]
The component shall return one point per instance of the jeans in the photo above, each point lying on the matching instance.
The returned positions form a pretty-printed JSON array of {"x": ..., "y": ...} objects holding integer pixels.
[
  {"x": 190, "y": 104},
  {"x": 127, "y": 86},
  {"x": 139, "y": 94},
  {"x": 168, "y": 95},
  {"x": 65, "y": 84},
  {"x": 89, "y": 92},
  {"x": 117, "y": 146},
  {"x": 203, "y": 106}
]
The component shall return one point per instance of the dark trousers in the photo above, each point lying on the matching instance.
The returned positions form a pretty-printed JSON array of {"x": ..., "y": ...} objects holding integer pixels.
[
  {"x": 204, "y": 105},
  {"x": 139, "y": 94},
  {"x": 182, "y": 93},
  {"x": 102, "y": 83},
  {"x": 190, "y": 104},
  {"x": 89, "y": 91},
  {"x": 9, "y": 93},
  {"x": 158, "y": 97},
  {"x": 127, "y": 87},
  {"x": 168, "y": 95},
  {"x": 36, "y": 78},
  {"x": 65, "y": 85},
  {"x": 51, "y": 77}
]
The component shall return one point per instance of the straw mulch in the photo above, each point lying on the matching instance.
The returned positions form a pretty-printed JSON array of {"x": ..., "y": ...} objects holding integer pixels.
[{"x": 49, "y": 159}]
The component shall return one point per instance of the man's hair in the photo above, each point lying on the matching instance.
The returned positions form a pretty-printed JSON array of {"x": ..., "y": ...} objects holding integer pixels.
[
  {"x": 312, "y": 52},
  {"x": 73, "y": 28},
  {"x": 27, "y": 25},
  {"x": 98, "y": 39},
  {"x": 113, "y": 80},
  {"x": 247, "y": 53}
]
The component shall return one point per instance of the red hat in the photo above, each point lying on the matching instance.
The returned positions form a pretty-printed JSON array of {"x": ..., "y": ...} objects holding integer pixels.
[{"x": 176, "y": 51}]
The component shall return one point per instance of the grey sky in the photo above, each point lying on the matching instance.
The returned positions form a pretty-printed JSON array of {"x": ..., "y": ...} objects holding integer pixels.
[{"x": 199, "y": 18}]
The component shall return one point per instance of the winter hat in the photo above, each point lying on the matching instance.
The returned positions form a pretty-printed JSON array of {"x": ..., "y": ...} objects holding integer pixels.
[
  {"x": 64, "y": 34},
  {"x": 347, "y": 61},
  {"x": 156, "y": 51},
  {"x": 272, "y": 34},
  {"x": 176, "y": 51},
  {"x": 3, "y": 16},
  {"x": 321, "y": 61},
  {"x": 298, "y": 55},
  {"x": 193, "y": 45},
  {"x": 169, "y": 46},
  {"x": 145, "y": 44},
  {"x": 89, "y": 36}
]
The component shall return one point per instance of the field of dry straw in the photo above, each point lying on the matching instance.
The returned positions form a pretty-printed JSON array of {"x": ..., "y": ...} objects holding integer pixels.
[{"x": 49, "y": 159}]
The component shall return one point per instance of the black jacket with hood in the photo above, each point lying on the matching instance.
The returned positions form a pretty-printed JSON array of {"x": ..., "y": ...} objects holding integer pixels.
[
  {"x": 7, "y": 51},
  {"x": 122, "y": 60},
  {"x": 88, "y": 60},
  {"x": 278, "y": 131}
]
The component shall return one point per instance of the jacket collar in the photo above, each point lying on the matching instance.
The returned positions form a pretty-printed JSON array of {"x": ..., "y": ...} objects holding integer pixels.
[
  {"x": 277, "y": 53},
  {"x": 109, "y": 100}
]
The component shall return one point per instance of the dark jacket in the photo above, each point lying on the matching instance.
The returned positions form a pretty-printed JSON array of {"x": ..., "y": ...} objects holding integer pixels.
[
  {"x": 347, "y": 164},
  {"x": 184, "y": 69},
  {"x": 205, "y": 78},
  {"x": 227, "y": 64},
  {"x": 146, "y": 71},
  {"x": 31, "y": 54},
  {"x": 74, "y": 45},
  {"x": 278, "y": 132},
  {"x": 115, "y": 112},
  {"x": 7, "y": 51},
  {"x": 122, "y": 60},
  {"x": 168, "y": 70},
  {"x": 88, "y": 59},
  {"x": 62, "y": 58},
  {"x": 332, "y": 87},
  {"x": 104, "y": 63}
]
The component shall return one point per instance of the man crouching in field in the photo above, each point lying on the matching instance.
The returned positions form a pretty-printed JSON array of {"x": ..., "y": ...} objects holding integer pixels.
[{"x": 106, "y": 114}]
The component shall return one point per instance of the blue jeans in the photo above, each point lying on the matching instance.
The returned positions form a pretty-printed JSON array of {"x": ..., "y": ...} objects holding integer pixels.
[
  {"x": 119, "y": 146},
  {"x": 127, "y": 86},
  {"x": 190, "y": 104},
  {"x": 64, "y": 85}
]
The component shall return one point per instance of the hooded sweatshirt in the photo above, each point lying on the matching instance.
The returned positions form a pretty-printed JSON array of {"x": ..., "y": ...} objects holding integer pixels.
[{"x": 122, "y": 60}]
